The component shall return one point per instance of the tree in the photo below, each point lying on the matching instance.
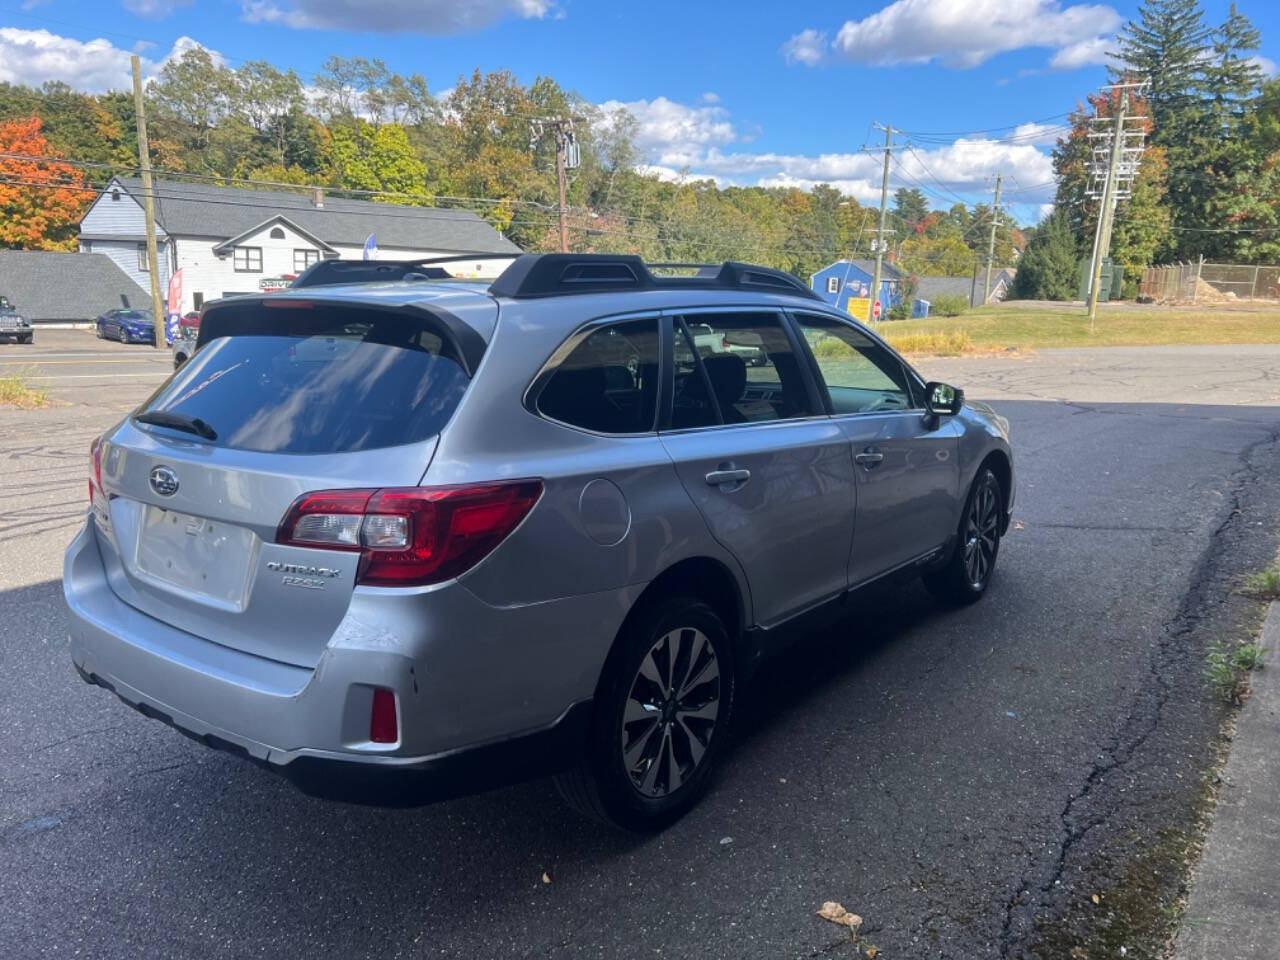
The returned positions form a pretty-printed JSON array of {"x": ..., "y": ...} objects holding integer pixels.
[
  {"x": 1166, "y": 44},
  {"x": 1047, "y": 268},
  {"x": 364, "y": 157},
  {"x": 41, "y": 201},
  {"x": 1142, "y": 234},
  {"x": 909, "y": 207}
]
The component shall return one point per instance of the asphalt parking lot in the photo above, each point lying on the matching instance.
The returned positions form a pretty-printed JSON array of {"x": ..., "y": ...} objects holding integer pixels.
[{"x": 965, "y": 781}]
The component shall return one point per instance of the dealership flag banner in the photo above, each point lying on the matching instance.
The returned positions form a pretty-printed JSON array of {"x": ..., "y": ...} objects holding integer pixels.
[
  {"x": 174, "y": 312},
  {"x": 371, "y": 248}
]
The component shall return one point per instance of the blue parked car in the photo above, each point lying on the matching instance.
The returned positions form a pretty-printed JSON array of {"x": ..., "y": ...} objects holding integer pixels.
[{"x": 127, "y": 326}]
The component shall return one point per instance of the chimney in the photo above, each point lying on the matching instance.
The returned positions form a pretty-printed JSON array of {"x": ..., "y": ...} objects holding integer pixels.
[{"x": 317, "y": 197}]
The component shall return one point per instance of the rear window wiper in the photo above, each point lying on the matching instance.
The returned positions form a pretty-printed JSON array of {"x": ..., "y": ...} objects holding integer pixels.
[{"x": 178, "y": 421}]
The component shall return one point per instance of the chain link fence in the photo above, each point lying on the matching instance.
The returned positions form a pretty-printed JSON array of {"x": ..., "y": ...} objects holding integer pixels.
[{"x": 1200, "y": 282}]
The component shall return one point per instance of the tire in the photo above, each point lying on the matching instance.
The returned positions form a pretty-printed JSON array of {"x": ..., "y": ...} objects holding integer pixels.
[
  {"x": 121, "y": 335},
  {"x": 27, "y": 339},
  {"x": 650, "y": 756},
  {"x": 967, "y": 573}
]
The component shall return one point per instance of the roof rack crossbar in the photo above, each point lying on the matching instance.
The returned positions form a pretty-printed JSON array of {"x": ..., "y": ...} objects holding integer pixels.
[{"x": 554, "y": 274}]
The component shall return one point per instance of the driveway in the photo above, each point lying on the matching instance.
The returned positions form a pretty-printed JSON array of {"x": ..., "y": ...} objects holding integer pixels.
[{"x": 966, "y": 781}]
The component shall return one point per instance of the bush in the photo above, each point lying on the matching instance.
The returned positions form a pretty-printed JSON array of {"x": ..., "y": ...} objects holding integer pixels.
[
  {"x": 900, "y": 311},
  {"x": 938, "y": 343},
  {"x": 948, "y": 305},
  {"x": 830, "y": 347}
]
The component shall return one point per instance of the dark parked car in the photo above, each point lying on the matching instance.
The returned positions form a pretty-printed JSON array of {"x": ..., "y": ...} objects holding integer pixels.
[
  {"x": 14, "y": 324},
  {"x": 127, "y": 326}
]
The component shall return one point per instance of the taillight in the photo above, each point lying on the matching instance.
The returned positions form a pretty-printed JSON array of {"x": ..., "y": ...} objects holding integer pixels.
[
  {"x": 410, "y": 536},
  {"x": 95, "y": 452},
  {"x": 724, "y": 342}
]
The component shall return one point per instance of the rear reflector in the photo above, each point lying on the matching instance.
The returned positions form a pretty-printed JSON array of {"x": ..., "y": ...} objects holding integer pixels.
[
  {"x": 411, "y": 536},
  {"x": 382, "y": 718}
]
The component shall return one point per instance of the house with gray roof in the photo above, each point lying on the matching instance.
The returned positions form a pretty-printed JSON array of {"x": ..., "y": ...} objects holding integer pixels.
[
  {"x": 229, "y": 240},
  {"x": 971, "y": 288},
  {"x": 46, "y": 287}
]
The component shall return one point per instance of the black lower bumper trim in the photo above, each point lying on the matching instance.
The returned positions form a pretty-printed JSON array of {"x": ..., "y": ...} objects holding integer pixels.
[{"x": 527, "y": 756}]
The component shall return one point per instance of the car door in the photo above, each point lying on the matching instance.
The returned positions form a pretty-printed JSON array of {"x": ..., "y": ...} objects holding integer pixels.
[
  {"x": 769, "y": 472},
  {"x": 906, "y": 460}
]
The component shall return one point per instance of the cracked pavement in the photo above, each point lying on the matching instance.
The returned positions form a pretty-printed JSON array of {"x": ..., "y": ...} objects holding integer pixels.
[{"x": 964, "y": 780}]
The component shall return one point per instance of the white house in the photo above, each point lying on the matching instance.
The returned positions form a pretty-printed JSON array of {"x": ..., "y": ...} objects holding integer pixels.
[{"x": 228, "y": 240}]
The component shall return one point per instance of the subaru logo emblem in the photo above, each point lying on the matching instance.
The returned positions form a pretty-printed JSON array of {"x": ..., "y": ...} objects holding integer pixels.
[{"x": 164, "y": 481}]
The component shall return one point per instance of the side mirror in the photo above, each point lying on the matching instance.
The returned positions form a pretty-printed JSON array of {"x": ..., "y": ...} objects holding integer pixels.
[{"x": 942, "y": 399}]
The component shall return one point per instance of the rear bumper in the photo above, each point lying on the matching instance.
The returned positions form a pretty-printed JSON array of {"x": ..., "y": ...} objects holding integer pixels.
[{"x": 472, "y": 711}]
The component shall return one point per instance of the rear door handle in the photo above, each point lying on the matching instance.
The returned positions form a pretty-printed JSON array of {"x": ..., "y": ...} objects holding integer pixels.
[
  {"x": 868, "y": 457},
  {"x": 717, "y": 477}
]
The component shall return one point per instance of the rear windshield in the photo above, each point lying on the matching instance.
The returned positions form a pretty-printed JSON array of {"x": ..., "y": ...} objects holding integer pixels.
[{"x": 316, "y": 380}]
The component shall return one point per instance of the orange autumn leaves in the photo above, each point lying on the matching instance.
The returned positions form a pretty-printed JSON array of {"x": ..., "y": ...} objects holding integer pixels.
[{"x": 41, "y": 201}]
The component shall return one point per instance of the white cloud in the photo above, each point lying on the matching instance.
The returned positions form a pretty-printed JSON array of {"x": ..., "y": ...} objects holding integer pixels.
[
  {"x": 675, "y": 135},
  {"x": 958, "y": 33},
  {"x": 394, "y": 16},
  {"x": 1084, "y": 53},
  {"x": 1266, "y": 65},
  {"x": 681, "y": 143},
  {"x": 32, "y": 57},
  {"x": 808, "y": 47},
  {"x": 154, "y": 9}
]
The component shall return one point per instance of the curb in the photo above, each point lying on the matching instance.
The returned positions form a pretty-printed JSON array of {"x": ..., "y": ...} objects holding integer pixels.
[{"x": 1234, "y": 906}]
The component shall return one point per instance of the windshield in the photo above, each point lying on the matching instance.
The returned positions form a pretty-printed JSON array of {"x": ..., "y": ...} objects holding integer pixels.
[{"x": 323, "y": 380}]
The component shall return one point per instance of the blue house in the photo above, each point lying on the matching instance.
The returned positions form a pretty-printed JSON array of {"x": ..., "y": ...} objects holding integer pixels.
[{"x": 847, "y": 280}]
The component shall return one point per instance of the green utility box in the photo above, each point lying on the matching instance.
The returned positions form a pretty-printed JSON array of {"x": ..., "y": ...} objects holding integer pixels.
[{"x": 1108, "y": 285}]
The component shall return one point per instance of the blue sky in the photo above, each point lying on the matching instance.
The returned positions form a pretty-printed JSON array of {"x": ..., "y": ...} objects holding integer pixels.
[{"x": 755, "y": 92}]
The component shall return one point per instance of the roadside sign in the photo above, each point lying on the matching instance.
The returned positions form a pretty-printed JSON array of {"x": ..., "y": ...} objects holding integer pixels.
[
  {"x": 875, "y": 310},
  {"x": 273, "y": 284},
  {"x": 858, "y": 308}
]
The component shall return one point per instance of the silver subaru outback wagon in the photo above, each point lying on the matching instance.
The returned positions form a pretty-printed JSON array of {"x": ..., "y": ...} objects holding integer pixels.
[{"x": 407, "y": 538}]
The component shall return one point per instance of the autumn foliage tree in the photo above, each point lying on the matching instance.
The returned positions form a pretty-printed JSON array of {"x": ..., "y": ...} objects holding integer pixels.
[{"x": 41, "y": 200}]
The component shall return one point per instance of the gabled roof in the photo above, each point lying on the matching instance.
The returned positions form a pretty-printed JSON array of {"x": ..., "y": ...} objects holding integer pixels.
[
  {"x": 270, "y": 221},
  {"x": 43, "y": 285},
  {"x": 208, "y": 210},
  {"x": 929, "y": 287}
]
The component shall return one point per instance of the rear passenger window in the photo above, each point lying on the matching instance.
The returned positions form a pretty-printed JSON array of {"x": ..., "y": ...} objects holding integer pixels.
[
  {"x": 609, "y": 383},
  {"x": 747, "y": 361}
]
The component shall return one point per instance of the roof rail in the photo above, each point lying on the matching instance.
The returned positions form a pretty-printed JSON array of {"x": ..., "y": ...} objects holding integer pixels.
[{"x": 556, "y": 274}]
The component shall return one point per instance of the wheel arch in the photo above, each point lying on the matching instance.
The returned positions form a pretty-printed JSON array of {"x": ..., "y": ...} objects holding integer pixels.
[{"x": 700, "y": 578}]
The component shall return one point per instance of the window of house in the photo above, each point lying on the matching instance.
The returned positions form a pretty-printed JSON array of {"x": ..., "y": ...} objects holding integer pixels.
[
  {"x": 833, "y": 284},
  {"x": 247, "y": 259},
  {"x": 609, "y": 383},
  {"x": 304, "y": 258},
  {"x": 115, "y": 194},
  {"x": 861, "y": 376},
  {"x": 276, "y": 233},
  {"x": 739, "y": 366},
  {"x": 142, "y": 258},
  {"x": 197, "y": 300}
]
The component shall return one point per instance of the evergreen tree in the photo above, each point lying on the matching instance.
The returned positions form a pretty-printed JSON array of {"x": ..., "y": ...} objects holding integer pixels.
[
  {"x": 1047, "y": 268},
  {"x": 1166, "y": 46}
]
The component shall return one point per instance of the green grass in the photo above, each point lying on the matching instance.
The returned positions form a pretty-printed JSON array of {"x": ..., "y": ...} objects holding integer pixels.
[
  {"x": 1027, "y": 327},
  {"x": 15, "y": 392},
  {"x": 1228, "y": 667},
  {"x": 1264, "y": 585}
]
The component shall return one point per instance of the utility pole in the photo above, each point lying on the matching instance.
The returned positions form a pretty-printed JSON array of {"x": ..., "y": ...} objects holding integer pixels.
[
  {"x": 148, "y": 204},
  {"x": 568, "y": 157},
  {"x": 1122, "y": 162},
  {"x": 991, "y": 244},
  {"x": 562, "y": 181},
  {"x": 880, "y": 234}
]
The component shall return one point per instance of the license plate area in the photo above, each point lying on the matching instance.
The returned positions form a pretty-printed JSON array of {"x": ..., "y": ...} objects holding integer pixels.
[{"x": 201, "y": 559}]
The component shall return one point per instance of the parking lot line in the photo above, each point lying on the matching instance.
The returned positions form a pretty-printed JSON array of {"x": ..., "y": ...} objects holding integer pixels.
[{"x": 54, "y": 363}]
